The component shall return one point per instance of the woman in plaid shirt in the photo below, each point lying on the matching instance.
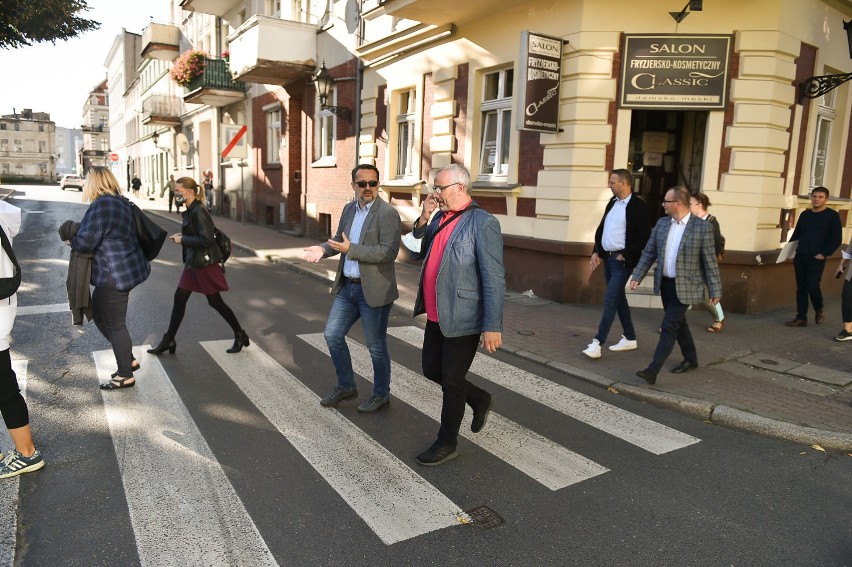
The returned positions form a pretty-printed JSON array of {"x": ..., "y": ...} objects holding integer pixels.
[{"x": 108, "y": 230}]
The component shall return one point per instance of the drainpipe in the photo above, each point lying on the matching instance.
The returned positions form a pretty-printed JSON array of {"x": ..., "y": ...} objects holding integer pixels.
[{"x": 359, "y": 80}]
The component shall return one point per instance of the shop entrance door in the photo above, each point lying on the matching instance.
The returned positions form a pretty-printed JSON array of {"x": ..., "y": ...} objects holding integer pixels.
[{"x": 666, "y": 149}]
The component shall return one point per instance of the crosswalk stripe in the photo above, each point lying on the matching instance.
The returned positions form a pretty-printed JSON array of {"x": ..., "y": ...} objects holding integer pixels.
[
  {"x": 540, "y": 458},
  {"x": 183, "y": 509},
  {"x": 41, "y": 309},
  {"x": 637, "y": 430},
  {"x": 391, "y": 498},
  {"x": 9, "y": 486}
]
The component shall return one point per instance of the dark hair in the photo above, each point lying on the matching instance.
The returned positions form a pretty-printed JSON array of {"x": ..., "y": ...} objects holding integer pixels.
[
  {"x": 367, "y": 166},
  {"x": 624, "y": 175},
  {"x": 682, "y": 194},
  {"x": 702, "y": 199},
  {"x": 820, "y": 189}
]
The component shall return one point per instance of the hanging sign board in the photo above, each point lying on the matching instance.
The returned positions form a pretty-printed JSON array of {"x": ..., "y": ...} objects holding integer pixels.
[
  {"x": 539, "y": 82},
  {"x": 675, "y": 72}
]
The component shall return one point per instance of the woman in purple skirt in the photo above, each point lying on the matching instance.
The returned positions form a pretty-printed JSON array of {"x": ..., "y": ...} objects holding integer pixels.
[{"x": 203, "y": 272}]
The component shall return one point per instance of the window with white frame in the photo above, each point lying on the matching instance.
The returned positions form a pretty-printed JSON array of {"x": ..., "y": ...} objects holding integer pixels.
[
  {"x": 273, "y": 135},
  {"x": 191, "y": 151},
  {"x": 822, "y": 141},
  {"x": 496, "y": 109},
  {"x": 326, "y": 124},
  {"x": 273, "y": 8},
  {"x": 405, "y": 117}
]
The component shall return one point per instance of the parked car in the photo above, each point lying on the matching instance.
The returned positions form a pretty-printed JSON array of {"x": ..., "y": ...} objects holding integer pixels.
[{"x": 71, "y": 180}]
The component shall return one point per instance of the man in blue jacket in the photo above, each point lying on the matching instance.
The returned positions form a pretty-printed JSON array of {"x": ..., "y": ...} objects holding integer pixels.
[{"x": 462, "y": 283}]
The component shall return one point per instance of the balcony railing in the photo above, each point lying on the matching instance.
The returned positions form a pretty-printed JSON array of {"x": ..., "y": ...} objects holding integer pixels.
[
  {"x": 214, "y": 86},
  {"x": 161, "y": 109},
  {"x": 92, "y": 128},
  {"x": 273, "y": 50}
]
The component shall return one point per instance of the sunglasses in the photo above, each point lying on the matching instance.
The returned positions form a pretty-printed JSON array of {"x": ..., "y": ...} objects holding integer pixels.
[{"x": 363, "y": 184}]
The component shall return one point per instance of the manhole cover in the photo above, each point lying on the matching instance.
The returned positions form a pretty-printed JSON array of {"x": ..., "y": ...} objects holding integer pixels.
[
  {"x": 769, "y": 361},
  {"x": 485, "y": 518},
  {"x": 526, "y": 333}
]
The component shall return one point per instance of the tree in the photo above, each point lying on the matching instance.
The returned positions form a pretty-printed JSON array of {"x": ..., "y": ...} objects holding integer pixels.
[{"x": 24, "y": 22}]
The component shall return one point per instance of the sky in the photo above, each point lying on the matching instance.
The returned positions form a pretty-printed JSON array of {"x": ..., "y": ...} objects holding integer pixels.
[{"x": 57, "y": 78}]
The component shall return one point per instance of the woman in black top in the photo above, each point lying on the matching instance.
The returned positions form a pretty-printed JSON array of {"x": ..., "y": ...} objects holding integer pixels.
[
  {"x": 698, "y": 205},
  {"x": 202, "y": 271}
]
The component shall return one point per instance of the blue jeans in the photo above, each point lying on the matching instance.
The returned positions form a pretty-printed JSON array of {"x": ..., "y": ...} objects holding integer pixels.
[
  {"x": 348, "y": 306},
  {"x": 615, "y": 300}
]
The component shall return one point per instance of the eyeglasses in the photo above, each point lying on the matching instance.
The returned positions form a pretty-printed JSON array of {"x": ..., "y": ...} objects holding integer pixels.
[
  {"x": 439, "y": 188},
  {"x": 664, "y": 202},
  {"x": 362, "y": 184}
]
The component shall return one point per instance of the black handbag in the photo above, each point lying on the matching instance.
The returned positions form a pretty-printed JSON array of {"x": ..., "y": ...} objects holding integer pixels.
[
  {"x": 8, "y": 286},
  {"x": 151, "y": 237}
]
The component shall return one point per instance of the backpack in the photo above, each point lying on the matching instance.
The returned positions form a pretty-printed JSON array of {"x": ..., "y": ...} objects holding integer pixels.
[{"x": 224, "y": 244}]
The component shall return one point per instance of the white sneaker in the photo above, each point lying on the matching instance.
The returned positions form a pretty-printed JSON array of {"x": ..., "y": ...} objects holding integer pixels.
[
  {"x": 593, "y": 350},
  {"x": 624, "y": 344}
]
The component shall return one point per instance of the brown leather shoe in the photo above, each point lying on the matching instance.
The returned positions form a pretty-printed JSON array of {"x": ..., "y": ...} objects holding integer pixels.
[
  {"x": 819, "y": 317},
  {"x": 797, "y": 323}
]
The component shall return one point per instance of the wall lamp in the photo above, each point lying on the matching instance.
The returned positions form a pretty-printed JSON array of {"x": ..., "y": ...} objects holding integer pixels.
[
  {"x": 325, "y": 82},
  {"x": 691, "y": 6},
  {"x": 155, "y": 137},
  {"x": 815, "y": 87}
]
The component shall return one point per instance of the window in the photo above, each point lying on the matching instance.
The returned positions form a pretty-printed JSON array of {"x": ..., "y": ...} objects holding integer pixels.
[
  {"x": 325, "y": 129},
  {"x": 104, "y": 144},
  {"x": 4, "y": 145},
  {"x": 273, "y": 135},
  {"x": 407, "y": 111},
  {"x": 18, "y": 145},
  {"x": 496, "y": 123},
  {"x": 2, "y": 125},
  {"x": 41, "y": 127},
  {"x": 17, "y": 127},
  {"x": 822, "y": 142},
  {"x": 273, "y": 8},
  {"x": 189, "y": 153},
  {"x": 5, "y": 168},
  {"x": 42, "y": 146}
]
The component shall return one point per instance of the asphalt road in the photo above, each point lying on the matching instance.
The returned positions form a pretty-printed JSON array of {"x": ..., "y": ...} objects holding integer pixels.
[{"x": 729, "y": 499}]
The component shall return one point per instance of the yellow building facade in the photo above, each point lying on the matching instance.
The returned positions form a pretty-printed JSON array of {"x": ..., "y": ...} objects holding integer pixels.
[{"x": 712, "y": 101}]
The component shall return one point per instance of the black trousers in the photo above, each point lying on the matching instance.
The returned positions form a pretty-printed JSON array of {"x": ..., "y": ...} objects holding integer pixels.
[
  {"x": 846, "y": 302},
  {"x": 110, "y": 316},
  {"x": 12, "y": 404},
  {"x": 446, "y": 361},
  {"x": 808, "y": 275},
  {"x": 673, "y": 329}
]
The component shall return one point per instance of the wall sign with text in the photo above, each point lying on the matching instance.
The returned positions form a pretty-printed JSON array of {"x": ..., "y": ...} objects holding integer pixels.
[
  {"x": 539, "y": 82},
  {"x": 675, "y": 72}
]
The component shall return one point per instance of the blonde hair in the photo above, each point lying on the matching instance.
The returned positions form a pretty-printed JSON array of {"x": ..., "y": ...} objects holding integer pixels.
[
  {"x": 100, "y": 181},
  {"x": 190, "y": 183}
]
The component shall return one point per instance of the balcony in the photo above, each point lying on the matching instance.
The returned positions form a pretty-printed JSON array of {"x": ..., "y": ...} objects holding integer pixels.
[
  {"x": 214, "y": 86},
  {"x": 273, "y": 51},
  {"x": 436, "y": 12},
  {"x": 161, "y": 41},
  {"x": 93, "y": 128},
  {"x": 212, "y": 7},
  {"x": 161, "y": 109}
]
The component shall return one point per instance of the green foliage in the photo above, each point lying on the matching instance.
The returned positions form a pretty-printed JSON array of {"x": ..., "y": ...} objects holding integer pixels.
[{"x": 24, "y": 22}]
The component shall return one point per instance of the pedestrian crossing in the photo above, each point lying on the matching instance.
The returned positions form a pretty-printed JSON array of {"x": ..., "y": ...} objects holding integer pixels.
[
  {"x": 191, "y": 514},
  {"x": 9, "y": 486}
]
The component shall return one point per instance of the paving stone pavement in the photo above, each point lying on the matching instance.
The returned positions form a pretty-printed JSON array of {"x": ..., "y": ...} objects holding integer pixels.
[{"x": 757, "y": 375}]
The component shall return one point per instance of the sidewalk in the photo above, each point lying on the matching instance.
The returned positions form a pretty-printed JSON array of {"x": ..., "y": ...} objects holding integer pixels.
[{"x": 757, "y": 376}]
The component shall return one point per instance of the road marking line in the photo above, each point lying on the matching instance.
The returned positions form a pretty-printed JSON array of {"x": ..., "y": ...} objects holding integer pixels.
[
  {"x": 392, "y": 499},
  {"x": 540, "y": 458},
  {"x": 9, "y": 486},
  {"x": 41, "y": 309},
  {"x": 183, "y": 509},
  {"x": 644, "y": 433}
]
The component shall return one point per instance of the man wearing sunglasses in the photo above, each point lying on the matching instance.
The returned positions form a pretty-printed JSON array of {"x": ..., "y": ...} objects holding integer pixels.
[
  {"x": 462, "y": 283},
  {"x": 367, "y": 240}
]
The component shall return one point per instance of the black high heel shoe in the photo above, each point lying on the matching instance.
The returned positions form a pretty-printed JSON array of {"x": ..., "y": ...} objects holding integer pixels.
[
  {"x": 240, "y": 340},
  {"x": 167, "y": 344}
]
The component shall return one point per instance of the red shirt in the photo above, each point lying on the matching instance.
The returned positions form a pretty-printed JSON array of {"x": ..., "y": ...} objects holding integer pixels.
[{"x": 433, "y": 262}]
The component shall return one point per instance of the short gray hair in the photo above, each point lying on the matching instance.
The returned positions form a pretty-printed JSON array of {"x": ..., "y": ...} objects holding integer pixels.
[{"x": 458, "y": 174}]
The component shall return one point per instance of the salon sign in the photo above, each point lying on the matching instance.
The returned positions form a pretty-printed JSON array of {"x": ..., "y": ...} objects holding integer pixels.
[
  {"x": 538, "y": 84},
  {"x": 675, "y": 72}
]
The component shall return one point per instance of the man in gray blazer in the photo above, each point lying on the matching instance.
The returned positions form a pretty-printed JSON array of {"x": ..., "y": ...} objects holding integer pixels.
[
  {"x": 683, "y": 247},
  {"x": 462, "y": 284},
  {"x": 367, "y": 240}
]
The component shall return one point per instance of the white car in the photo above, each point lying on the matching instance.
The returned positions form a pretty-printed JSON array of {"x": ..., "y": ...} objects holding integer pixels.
[{"x": 71, "y": 180}]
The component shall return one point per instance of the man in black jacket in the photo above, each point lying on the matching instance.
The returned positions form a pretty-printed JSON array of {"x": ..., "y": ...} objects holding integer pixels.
[
  {"x": 619, "y": 240},
  {"x": 819, "y": 232}
]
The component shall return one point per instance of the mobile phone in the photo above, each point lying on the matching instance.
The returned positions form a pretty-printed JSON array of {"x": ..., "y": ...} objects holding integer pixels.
[{"x": 839, "y": 273}]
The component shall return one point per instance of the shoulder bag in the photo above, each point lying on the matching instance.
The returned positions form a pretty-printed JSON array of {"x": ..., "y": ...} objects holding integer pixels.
[{"x": 151, "y": 237}]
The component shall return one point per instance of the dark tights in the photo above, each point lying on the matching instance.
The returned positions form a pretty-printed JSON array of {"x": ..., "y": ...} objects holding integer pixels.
[
  {"x": 12, "y": 404},
  {"x": 215, "y": 301}
]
